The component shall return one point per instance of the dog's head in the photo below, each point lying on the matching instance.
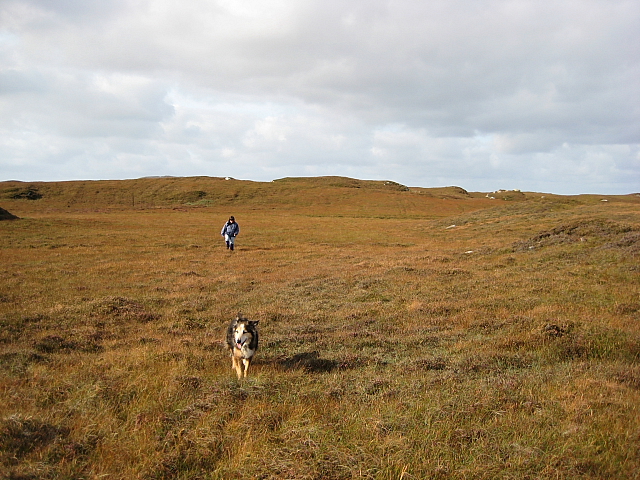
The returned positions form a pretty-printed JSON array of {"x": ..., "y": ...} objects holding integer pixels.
[{"x": 245, "y": 331}]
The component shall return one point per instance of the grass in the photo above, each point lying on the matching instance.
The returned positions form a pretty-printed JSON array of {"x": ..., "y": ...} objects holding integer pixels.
[{"x": 394, "y": 345}]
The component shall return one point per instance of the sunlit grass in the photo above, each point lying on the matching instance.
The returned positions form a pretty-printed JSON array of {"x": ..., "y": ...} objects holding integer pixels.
[{"x": 393, "y": 345}]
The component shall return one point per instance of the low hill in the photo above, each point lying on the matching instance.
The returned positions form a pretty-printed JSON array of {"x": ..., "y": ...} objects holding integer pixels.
[
  {"x": 313, "y": 195},
  {"x": 310, "y": 195}
]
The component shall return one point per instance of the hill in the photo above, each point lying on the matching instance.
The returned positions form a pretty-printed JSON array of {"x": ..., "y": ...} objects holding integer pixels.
[
  {"x": 405, "y": 332},
  {"x": 319, "y": 195}
]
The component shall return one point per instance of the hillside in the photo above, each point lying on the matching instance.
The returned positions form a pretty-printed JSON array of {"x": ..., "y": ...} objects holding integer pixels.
[
  {"x": 405, "y": 332},
  {"x": 312, "y": 195},
  {"x": 294, "y": 193}
]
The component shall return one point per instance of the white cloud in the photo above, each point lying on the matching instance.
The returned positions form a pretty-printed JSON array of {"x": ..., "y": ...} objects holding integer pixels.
[{"x": 544, "y": 94}]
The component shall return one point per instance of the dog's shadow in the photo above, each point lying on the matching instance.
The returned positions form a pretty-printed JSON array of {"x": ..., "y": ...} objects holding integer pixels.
[{"x": 307, "y": 361}]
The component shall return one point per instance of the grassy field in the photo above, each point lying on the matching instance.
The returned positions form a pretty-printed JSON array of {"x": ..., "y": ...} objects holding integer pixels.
[{"x": 405, "y": 333}]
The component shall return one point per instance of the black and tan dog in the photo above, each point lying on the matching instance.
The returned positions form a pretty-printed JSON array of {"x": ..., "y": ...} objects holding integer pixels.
[{"x": 242, "y": 341}]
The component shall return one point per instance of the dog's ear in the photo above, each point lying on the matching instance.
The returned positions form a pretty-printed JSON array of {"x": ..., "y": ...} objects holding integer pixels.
[{"x": 254, "y": 322}]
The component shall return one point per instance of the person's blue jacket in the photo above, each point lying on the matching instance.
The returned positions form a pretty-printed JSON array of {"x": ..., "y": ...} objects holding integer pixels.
[{"x": 231, "y": 229}]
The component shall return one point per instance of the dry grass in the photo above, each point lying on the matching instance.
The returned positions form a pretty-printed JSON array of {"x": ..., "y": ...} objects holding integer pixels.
[{"x": 394, "y": 345}]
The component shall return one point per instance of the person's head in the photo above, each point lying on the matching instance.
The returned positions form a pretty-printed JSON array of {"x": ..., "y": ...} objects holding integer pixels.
[{"x": 231, "y": 219}]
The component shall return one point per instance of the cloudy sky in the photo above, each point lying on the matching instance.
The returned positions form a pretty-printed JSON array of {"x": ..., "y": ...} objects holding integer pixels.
[{"x": 539, "y": 95}]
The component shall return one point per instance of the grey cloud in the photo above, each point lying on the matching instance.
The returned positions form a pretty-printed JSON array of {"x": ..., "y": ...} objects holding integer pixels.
[
  {"x": 14, "y": 81},
  {"x": 74, "y": 9},
  {"x": 84, "y": 105}
]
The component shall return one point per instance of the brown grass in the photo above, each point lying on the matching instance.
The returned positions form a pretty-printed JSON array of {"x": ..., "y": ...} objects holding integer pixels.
[{"x": 394, "y": 345}]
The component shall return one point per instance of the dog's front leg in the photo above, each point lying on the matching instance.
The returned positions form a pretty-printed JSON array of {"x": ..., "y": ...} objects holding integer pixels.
[
  {"x": 236, "y": 365},
  {"x": 246, "y": 362}
]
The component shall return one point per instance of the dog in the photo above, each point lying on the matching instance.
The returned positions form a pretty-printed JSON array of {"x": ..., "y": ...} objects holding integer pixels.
[{"x": 242, "y": 342}]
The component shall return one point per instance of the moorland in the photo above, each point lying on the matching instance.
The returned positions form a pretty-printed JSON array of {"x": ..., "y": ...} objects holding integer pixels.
[{"x": 406, "y": 333}]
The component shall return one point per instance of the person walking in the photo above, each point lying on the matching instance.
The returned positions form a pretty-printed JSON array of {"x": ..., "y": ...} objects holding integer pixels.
[{"x": 230, "y": 231}]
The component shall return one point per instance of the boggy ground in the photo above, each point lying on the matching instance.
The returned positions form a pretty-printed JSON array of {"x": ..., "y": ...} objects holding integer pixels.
[{"x": 429, "y": 335}]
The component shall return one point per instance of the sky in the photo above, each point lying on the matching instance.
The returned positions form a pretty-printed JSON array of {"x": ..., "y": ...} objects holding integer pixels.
[{"x": 539, "y": 95}]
